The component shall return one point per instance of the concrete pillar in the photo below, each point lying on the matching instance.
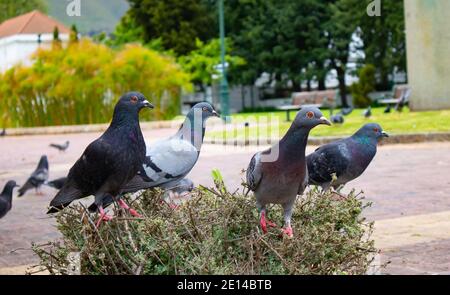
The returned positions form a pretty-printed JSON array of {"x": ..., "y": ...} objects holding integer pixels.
[{"x": 428, "y": 53}]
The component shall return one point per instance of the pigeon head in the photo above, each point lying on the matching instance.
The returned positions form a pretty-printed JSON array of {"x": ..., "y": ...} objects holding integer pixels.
[
  {"x": 310, "y": 117},
  {"x": 132, "y": 102},
  {"x": 10, "y": 185},
  {"x": 372, "y": 130},
  {"x": 43, "y": 162},
  {"x": 205, "y": 109}
]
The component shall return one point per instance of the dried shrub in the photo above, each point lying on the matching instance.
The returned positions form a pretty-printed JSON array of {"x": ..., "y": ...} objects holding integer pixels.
[{"x": 216, "y": 232}]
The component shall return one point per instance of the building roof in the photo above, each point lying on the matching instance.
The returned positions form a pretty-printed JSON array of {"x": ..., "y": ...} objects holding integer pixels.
[{"x": 34, "y": 22}]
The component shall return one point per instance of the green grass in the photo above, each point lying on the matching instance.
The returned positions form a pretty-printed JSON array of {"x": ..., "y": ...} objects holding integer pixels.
[{"x": 393, "y": 123}]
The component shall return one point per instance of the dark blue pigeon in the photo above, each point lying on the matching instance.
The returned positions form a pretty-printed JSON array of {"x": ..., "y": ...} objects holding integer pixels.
[
  {"x": 279, "y": 174},
  {"x": 346, "y": 158},
  {"x": 57, "y": 183},
  {"x": 110, "y": 161},
  {"x": 6, "y": 198}
]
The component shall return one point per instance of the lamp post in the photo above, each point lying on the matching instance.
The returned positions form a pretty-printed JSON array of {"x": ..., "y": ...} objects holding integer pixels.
[{"x": 224, "y": 98}]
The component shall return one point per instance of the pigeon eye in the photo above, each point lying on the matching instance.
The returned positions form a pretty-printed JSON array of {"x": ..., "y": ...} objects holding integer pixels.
[
  {"x": 310, "y": 115},
  {"x": 134, "y": 99},
  {"x": 204, "y": 109},
  {"x": 376, "y": 129}
]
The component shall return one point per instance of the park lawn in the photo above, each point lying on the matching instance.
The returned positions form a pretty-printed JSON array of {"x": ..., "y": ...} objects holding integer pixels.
[{"x": 393, "y": 123}]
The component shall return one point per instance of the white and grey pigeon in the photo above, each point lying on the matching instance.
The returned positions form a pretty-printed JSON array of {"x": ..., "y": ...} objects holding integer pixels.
[
  {"x": 6, "y": 198},
  {"x": 37, "y": 178},
  {"x": 169, "y": 160},
  {"x": 279, "y": 174},
  {"x": 347, "y": 158}
]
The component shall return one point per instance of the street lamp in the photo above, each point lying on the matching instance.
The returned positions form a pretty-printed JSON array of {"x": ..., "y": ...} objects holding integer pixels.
[{"x": 224, "y": 98}]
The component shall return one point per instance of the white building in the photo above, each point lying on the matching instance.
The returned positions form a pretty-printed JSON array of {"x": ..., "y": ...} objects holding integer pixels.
[{"x": 21, "y": 36}]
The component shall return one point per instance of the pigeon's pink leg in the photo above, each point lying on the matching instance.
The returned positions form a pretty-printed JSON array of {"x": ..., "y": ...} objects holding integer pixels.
[
  {"x": 133, "y": 212},
  {"x": 264, "y": 222},
  {"x": 288, "y": 231},
  {"x": 103, "y": 216}
]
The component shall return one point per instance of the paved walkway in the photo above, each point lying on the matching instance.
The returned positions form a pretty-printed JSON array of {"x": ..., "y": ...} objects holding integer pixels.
[{"x": 409, "y": 185}]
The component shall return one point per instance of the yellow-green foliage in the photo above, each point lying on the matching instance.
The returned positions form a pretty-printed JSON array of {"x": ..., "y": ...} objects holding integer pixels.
[{"x": 79, "y": 84}]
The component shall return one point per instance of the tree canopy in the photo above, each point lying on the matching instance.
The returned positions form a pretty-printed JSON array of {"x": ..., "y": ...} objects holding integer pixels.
[{"x": 12, "y": 8}]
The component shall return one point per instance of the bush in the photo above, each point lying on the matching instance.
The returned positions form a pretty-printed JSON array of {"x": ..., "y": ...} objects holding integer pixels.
[
  {"x": 80, "y": 83},
  {"x": 366, "y": 84},
  {"x": 216, "y": 232}
]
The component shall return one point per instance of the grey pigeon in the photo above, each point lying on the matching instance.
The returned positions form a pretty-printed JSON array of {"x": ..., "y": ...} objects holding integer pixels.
[
  {"x": 37, "y": 178},
  {"x": 174, "y": 195},
  {"x": 60, "y": 147},
  {"x": 3, "y": 133},
  {"x": 57, "y": 183},
  {"x": 346, "y": 158},
  {"x": 367, "y": 112},
  {"x": 6, "y": 198},
  {"x": 279, "y": 174},
  {"x": 170, "y": 160},
  {"x": 110, "y": 161},
  {"x": 336, "y": 119}
]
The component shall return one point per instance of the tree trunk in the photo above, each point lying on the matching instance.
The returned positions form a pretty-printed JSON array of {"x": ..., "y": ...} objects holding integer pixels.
[
  {"x": 297, "y": 86},
  {"x": 342, "y": 87},
  {"x": 322, "y": 85}
]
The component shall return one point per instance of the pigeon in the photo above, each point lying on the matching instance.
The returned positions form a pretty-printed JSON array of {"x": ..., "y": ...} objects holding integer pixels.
[
  {"x": 57, "y": 183},
  {"x": 336, "y": 119},
  {"x": 170, "y": 160},
  {"x": 6, "y": 198},
  {"x": 279, "y": 174},
  {"x": 60, "y": 147},
  {"x": 346, "y": 158},
  {"x": 110, "y": 161},
  {"x": 368, "y": 112},
  {"x": 388, "y": 109},
  {"x": 175, "y": 195},
  {"x": 37, "y": 178},
  {"x": 3, "y": 133}
]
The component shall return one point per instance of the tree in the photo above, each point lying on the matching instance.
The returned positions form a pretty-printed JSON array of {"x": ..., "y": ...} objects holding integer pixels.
[
  {"x": 384, "y": 40},
  {"x": 12, "y": 8},
  {"x": 178, "y": 23},
  {"x": 203, "y": 61}
]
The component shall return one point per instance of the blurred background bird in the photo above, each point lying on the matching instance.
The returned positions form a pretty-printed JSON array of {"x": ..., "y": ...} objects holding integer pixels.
[
  {"x": 6, "y": 198},
  {"x": 37, "y": 178},
  {"x": 61, "y": 147}
]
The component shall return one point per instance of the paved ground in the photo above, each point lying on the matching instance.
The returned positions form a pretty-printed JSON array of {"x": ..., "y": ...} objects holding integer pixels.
[{"x": 409, "y": 185}]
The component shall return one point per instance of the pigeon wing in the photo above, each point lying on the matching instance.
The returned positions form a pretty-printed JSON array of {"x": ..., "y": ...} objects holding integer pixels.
[
  {"x": 86, "y": 175},
  {"x": 325, "y": 161},
  {"x": 169, "y": 160},
  {"x": 254, "y": 174}
]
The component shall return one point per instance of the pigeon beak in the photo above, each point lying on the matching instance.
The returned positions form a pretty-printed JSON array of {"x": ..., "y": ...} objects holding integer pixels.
[
  {"x": 215, "y": 114},
  {"x": 147, "y": 104},
  {"x": 384, "y": 134},
  {"x": 325, "y": 121}
]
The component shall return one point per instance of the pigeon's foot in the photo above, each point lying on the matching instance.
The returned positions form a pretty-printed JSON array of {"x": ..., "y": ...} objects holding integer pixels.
[
  {"x": 288, "y": 231},
  {"x": 103, "y": 217},
  {"x": 133, "y": 212},
  {"x": 265, "y": 222}
]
